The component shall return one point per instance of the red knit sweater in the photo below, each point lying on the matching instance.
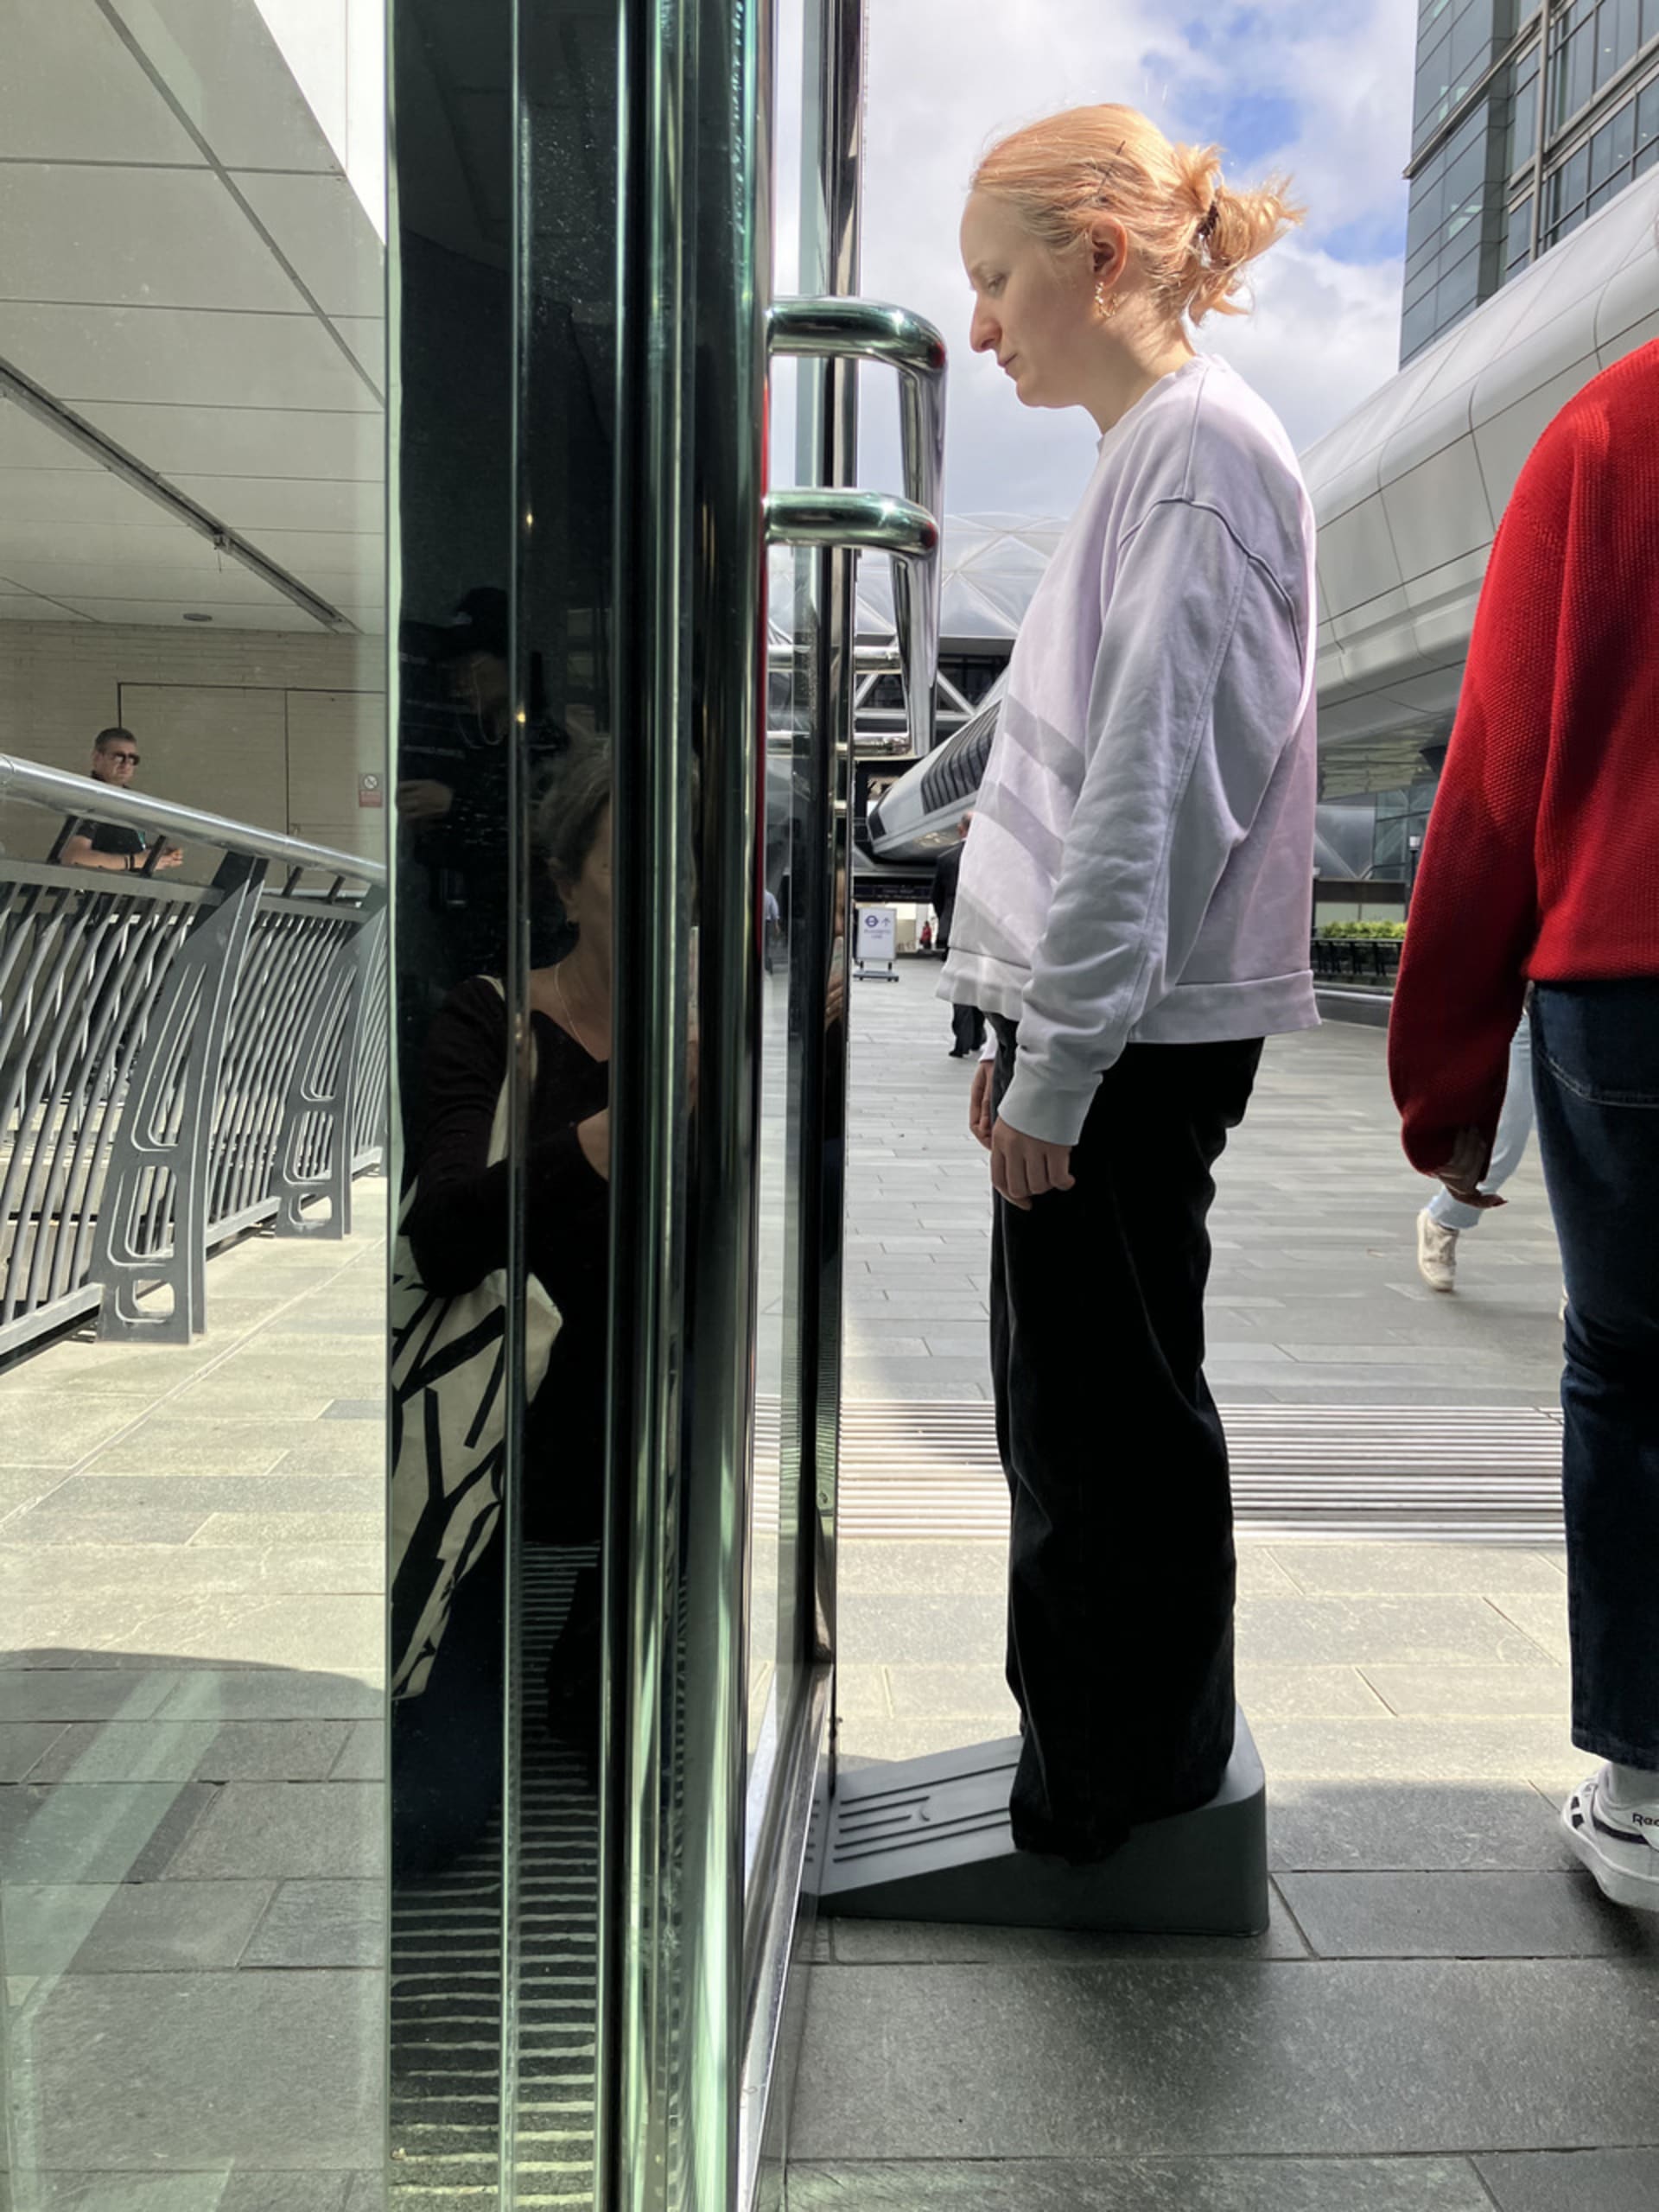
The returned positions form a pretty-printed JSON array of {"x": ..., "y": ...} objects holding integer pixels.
[{"x": 1541, "y": 859}]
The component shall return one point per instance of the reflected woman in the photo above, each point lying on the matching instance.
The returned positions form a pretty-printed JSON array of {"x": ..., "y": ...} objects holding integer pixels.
[
  {"x": 1132, "y": 913},
  {"x": 449, "y": 1769}
]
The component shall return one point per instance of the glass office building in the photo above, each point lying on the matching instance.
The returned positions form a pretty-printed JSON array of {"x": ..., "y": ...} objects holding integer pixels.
[{"x": 1526, "y": 119}]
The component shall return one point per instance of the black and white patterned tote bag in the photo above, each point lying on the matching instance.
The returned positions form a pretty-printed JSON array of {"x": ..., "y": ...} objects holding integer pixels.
[{"x": 448, "y": 1431}]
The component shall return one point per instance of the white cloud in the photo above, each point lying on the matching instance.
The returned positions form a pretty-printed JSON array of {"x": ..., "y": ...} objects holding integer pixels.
[{"x": 946, "y": 77}]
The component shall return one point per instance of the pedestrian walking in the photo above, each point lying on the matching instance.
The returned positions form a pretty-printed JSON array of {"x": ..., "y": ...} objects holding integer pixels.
[
  {"x": 1445, "y": 1218},
  {"x": 1539, "y": 867},
  {"x": 967, "y": 1022},
  {"x": 1132, "y": 914}
]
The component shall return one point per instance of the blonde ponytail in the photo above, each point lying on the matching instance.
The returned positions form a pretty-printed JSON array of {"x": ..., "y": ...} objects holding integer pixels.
[
  {"x": 1231, "y": 230},
  {"x": 1192, "y": 235}
]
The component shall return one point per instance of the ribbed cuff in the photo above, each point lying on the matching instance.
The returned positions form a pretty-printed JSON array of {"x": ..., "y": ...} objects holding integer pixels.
[{"x": 1037, "y": 1109}]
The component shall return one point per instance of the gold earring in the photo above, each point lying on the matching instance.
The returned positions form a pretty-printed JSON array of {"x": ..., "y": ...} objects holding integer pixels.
[{"x": 1105, "y": 307}]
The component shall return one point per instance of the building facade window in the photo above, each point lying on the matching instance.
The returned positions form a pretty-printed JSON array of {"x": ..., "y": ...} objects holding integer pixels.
[
  {"x": 1469, "y": 227},
  {"x": 1518, "y": 247},
  {"x": 1571, "y": 60},
  {"x": 1523, "y": 109},
  {"x": 1456, "y": 42},
  {"x": 1616, "y": 152}
]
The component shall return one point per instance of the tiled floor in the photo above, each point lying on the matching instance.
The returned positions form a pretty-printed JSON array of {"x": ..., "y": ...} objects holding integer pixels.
[
  {"x": 191, "y": 1567},
  {"x": 1443, "y": 2017}
]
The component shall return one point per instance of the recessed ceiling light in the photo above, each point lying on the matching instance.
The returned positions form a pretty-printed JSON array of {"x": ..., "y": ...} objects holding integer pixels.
[{"x": 198, "y": 618}]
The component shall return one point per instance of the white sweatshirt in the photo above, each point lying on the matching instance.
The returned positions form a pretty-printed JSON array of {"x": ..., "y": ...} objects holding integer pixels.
[{"x": 1140, "y": 867}]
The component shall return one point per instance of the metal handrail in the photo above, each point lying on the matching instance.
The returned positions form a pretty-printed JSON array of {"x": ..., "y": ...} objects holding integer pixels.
[
  {"x": 868, "y": 330},
  {"x": 177, "y": 1063},
  {"x": 71, "y": 794}
]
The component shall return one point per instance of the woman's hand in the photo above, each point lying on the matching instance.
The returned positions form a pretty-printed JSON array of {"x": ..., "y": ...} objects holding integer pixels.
[
  {"x": 593, "y": 1135},
  {"x": 1471, "y": 1155},
  {"x": 1024, "y": 1168},
  {"x": 981, "y": 1115},
  {"x": 424, "y": 799}
]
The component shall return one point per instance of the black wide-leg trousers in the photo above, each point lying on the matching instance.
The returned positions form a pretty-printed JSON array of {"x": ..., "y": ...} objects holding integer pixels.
[{"x": 1121, "y": 1571}]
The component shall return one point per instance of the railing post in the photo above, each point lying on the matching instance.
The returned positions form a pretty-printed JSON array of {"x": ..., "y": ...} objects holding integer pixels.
[
  {"x": 160, "y": 1152},
  {"x": 315, "y": 1146}
]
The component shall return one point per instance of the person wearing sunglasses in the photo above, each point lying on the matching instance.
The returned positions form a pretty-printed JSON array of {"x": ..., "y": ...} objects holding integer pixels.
[{"x": 117, "y": 846}]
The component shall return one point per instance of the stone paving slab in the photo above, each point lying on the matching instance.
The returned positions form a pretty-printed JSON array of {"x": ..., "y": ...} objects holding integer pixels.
[
  {"x": 1463, "y": 1916},
  {"x": 338, "y": 1635},
  {"x": 288, "y": 1830},
  {"x": 265, "y": 1693},
  {"x": 326, "y": 1922},
  {"x": 1417, "y": 1570},
  {"x": 24, "y": 1745},
  {"x": 1465, "y": 1693},
  {"x": 65, "y": 1693},
  {"x": 44, "y": 1525},
  {"x": 262, "y": 1530},
  {"x": 126, "y": 1751},
  {"x": 48, "y": 1428},
  {"x": 68, "y": 2190},
  {"x": 1220, "y": 2184},
  {"x": 1573, "y": 2181},
  {"x": 1388, "y": 1749},
  {"x": 879, "y": 1942},
  {"x": 190, "y": 1571},
  {"x": 74, "y": 1832},
  {"x": 1321, "y": 1825},
  {"x": 134, "y": 1927},
  {"x": 1297, "y": 2058},
  {"x": 174, "y": 1444},
  {"x": 144, "y": 2068},
  {"x": 138, "y": 1495},
  {"x": 255, "y": 2192},
  {"x": 1542, "y": 1619}
]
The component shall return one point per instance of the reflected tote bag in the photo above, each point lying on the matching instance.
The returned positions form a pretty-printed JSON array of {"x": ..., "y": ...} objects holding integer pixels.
[{"x": 449, "y": 1431}]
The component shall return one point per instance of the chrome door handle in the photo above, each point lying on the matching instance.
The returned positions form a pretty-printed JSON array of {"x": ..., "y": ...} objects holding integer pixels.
[
  {"x": 874, "y": 522},
  {"x": 866, "y": 330}
]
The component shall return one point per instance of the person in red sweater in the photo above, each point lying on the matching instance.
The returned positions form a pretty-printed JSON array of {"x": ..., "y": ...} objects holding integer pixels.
[{"x": 1541, "y": 865}]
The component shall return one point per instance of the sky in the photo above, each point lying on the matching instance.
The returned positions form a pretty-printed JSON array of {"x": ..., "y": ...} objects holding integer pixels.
[{"x": 1319, "y": 88}]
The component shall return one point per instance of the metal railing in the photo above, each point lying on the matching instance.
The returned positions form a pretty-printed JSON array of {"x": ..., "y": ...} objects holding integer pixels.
[
  {"x": 177, "y": 1063},
  {"x": 1357, "y": 960}
]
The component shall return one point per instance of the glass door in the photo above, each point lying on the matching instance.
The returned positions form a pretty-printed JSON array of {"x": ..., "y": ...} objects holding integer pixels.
[{"x": 621, "y": 956}]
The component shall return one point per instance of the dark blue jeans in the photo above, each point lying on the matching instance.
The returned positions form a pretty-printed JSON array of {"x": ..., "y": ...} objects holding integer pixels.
[
  {"x": 1121, "y": 1567},
  {"x": 1596, "y": 1073}
]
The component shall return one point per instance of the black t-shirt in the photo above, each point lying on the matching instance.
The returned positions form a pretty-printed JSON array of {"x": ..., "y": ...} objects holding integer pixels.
[{"x": 107, "y": 836}]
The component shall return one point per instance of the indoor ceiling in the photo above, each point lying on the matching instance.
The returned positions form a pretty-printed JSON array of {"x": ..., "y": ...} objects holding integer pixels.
[{"x": 192, "y": 326}]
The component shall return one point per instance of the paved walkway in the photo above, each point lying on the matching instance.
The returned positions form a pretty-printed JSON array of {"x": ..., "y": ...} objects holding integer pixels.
[
  {"x": 189, "y": 1742},
  {"x": 1442, "y": 2017},
  {"x": 191, "y": 1750},
  {"x": 1315, "y": 1296}
]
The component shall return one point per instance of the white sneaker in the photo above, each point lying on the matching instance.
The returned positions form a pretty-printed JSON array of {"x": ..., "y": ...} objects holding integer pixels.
[
  {"x": 1437, "y": 1253},
  {"x": 1618, "y": 1843}
]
